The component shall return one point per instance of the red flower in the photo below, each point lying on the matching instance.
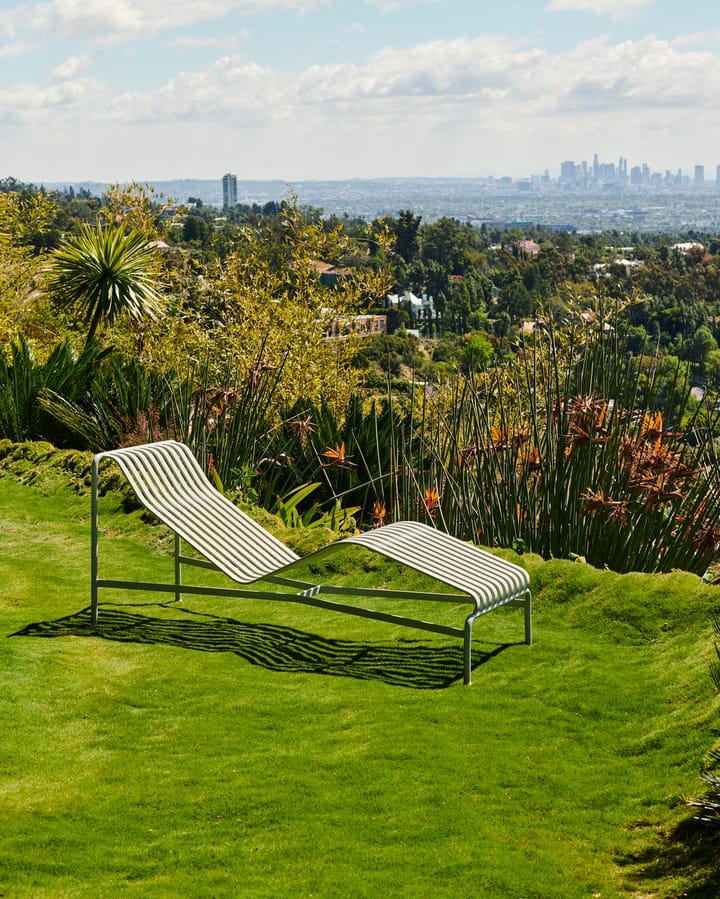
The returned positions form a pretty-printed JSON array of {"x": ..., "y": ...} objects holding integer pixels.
[
  {"x": 431, "y": 501},
  {"x": 337, "y": 458},
  {"x": 378, "y": 514}
]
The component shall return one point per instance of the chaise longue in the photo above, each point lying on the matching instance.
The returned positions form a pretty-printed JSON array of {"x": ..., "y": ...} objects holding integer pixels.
[{"x": 171, "y": 484}]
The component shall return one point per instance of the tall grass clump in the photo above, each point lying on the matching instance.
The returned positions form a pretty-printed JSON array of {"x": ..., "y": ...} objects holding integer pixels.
[
  {"x": 576, "y": 447},
  {"x": 262, "y": 451}
]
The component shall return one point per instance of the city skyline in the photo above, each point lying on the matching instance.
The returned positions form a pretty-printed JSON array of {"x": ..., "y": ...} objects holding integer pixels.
[{"x": 332, "y": 89}]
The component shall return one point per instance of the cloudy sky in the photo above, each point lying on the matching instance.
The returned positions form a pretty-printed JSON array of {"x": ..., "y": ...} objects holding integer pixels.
[{"x": 312, "y": 89}]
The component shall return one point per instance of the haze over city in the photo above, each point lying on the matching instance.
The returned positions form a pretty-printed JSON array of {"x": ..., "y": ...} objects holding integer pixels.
[{"x": 305, "y": 89}]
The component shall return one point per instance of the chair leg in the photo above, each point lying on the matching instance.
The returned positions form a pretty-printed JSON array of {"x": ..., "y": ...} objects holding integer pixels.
[
  {"x": 467, "y": 652},
  {"x": 528, "y": 618},
  {"x": 178, "y": 569},
  {"x": 94, "y": 545}
]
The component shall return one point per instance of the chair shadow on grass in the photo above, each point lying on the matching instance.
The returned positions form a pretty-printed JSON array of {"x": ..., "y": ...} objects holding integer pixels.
[{"x": 406, "y": 663}]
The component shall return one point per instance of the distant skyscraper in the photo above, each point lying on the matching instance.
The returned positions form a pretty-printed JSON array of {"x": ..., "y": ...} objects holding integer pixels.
[
  {"x": 717, "y": 174},
  {"x": 567, "y": 171},
  {"x": 229, "y": 183},
  {"x": 699, "y": 174}
]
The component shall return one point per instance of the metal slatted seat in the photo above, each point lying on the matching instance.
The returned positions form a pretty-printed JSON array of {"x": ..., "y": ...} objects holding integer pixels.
[{"x": 170, "y": 483}]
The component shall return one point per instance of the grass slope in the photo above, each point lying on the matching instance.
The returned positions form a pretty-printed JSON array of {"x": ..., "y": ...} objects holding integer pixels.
[{"x": 224, "y": 748}]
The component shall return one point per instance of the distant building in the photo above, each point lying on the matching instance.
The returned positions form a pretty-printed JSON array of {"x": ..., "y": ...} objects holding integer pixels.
[
  {"x": 602, "y": 269},
  {"x": 229, "y": 185},
  {"x": 699, "y": 174},
  {"x": 417, "y": 306},
  {"x": 690, "y": 246},
  {"x": 357, "y": 326},
  {"x": 568, "y": 172},
  {"x": 526, "y": 247}
]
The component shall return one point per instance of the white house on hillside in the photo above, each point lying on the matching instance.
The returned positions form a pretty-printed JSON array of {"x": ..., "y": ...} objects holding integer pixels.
[{"x": 417, "y": 306}]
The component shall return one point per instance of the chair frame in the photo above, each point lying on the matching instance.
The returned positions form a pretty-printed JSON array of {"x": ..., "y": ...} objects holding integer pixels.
[{"x": 170, "y": 483}]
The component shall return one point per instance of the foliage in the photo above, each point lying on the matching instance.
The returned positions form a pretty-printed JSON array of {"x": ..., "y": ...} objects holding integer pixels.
[
  {"x": 120, "y": 405},
  {"x": 287, "y": 509},
  {"x": 106, "y": 273},
  {"x": 23, "y": 215},
  {"x": 95, "y": 399},
  {"x": 476, "y": 353},
  {"x": 135, "y": 207},
  {"x": 567, "y": 450},
  {"x": 23, "y": 379},
  {"x": 267, "y": 302}
]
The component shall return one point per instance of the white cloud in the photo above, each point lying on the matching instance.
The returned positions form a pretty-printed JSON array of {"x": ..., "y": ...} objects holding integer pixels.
[
  {"x": 617, "y": 9},
  {"x": 87, "y": 18},
  {"x": 115, "y": 20},
  {"x": 30, "y": 103},
  {"x": 648, "y": 73},
  {"x": 458, "y": 106},
  {"x": 17, "y": 48},
  {"x": 188, "y": 42},
  {"x": 478, "y": 76},
  {"x": 696, "y": 38},
  {"x": 73, "y": 66},
  {"x": 391, "y": 6}
]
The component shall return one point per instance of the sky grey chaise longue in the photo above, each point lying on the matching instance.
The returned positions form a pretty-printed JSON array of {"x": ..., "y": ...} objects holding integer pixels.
[{"x": 169, "y": 481}]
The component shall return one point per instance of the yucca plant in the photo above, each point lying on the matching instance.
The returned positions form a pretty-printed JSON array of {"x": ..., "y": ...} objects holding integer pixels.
[{"x": 105, "y": 273}]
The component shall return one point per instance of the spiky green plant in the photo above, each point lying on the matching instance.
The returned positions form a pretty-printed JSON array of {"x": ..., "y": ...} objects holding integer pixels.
[
  {"x": 122, "y": 404},
  {"x": 105, "y": 273},
  {"x": 23, "y": 379}
]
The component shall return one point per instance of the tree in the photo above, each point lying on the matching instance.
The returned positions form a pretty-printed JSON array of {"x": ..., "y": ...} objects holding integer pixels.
[
  {"x": 516, "y": 301},
  {"x": 24, "y": 217},
  {"x": 406, "y": 235},
  {"x": 137, "y": 207},
  {"x": 196, "y": 229},
  {"x": 476, "y": 353},
  {"x": 712, "y": 368},
  {"x": 267, "y": 303},
  {"x": 700, "y": 345},
  {"x": 105, "y": 273}
]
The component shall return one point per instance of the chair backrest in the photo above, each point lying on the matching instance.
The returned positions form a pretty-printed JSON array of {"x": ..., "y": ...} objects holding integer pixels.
[{"x": 169, "y": 481}]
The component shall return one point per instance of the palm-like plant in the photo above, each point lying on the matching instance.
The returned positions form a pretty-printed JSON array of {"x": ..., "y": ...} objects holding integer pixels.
[{"x": 106, "y": 273}]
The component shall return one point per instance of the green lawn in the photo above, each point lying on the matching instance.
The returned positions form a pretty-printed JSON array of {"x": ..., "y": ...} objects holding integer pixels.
[{"x": 225, "y": 748}]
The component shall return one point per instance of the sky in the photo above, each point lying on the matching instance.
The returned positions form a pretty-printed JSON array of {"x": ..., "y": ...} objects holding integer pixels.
[{"x": 114, "y": 90}]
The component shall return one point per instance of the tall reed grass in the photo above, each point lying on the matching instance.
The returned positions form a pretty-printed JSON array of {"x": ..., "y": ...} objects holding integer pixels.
[{"x": 577, "y": 447}]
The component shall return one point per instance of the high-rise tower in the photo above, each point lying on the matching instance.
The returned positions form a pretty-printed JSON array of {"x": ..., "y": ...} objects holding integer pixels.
[{"x": 229, "y": 185}]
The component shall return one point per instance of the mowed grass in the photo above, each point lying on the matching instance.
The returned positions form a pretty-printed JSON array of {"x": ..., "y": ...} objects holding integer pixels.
[{"x": 237, "y": 748}]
